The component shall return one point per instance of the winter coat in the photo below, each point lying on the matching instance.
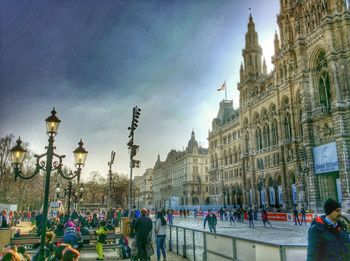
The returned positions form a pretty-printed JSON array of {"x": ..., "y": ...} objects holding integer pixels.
[
  {"x": 143, "y": 226},
  {"x": 326, "y": 242},
  {"x": 160, "y": 229},
  {"x": 101, "y": 233},
  {"x": 211, "y": 219}
]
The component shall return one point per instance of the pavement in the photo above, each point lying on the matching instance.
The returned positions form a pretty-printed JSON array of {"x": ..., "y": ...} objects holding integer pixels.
[{"x": 112, "y": 255}]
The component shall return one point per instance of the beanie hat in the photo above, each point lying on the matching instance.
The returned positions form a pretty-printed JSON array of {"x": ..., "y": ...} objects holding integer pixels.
[{"x": 330, "y": 205}]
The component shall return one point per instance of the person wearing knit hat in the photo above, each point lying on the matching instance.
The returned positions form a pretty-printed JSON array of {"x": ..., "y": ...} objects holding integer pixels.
[
  {"x": 327, "y": 237},
  {"x": 330, "y": 205}
]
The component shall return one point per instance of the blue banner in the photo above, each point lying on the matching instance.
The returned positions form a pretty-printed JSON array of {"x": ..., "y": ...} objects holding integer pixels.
[
  {"x": 272, "y": 196},
  {"x": 280, "y": 195},
  {"x": 294, "y": 194}
]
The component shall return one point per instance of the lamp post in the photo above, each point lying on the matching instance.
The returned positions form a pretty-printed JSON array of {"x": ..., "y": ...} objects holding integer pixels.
[
  {"x": 71, "y": 192},
  {"x": 110, "y": 163},
  {"x": 133, "y": 148},
  {"x": 53, "y": 163}
]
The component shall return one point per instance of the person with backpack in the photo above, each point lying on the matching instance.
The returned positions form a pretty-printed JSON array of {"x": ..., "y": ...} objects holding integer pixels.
[
  {"x": 101, "y": 233},
  {"x": 124, "y": 250},
  {"x": 161, "y": 235}
]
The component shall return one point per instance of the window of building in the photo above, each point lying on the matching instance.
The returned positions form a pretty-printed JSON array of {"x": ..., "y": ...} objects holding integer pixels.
[{"x": 324, "y": 88}]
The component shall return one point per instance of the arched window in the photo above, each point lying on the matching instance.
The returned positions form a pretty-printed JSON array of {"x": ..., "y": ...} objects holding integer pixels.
[
  {"x": 287, "y": 127},
  {"x": 247, "y": 142},
  {"x": 324, "y": 89},
  {"x": 299, "y": 113},
  {"x": 258, "y": 144},
  {"x": 274, "y": 133},
  {"x": 264, "y": 138}
]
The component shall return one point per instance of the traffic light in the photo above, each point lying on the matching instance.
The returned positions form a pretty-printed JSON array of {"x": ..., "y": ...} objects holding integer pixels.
[{"x": 135, "y": 116}]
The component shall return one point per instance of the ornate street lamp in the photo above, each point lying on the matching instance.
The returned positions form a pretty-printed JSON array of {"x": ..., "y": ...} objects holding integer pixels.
[
  {"x": 71, "y": 192},
  {"x": 53, "y": 163}
]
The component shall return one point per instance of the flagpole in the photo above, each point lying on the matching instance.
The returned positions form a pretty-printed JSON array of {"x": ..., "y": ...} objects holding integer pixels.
[{"x": 225, "y": 91}]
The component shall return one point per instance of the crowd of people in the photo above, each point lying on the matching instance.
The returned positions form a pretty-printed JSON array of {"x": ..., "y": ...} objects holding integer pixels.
[{"x": 328, "y": 237}]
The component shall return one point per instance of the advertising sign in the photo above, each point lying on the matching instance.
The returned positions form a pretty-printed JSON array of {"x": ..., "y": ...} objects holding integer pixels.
[
  {"x": 326, "y": 158},
  {"x": 263, "y": 196},
  {"x": 174, "y": 202},
  {"x": 294, "y": 194},
  {"x": 251, "y": 197},
  {"x": 280, "y": 195},
  {"x": 272, "y": 196}
]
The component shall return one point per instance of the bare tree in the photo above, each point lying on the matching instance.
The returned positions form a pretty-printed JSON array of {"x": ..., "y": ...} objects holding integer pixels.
[
  {"x": 95, "y": 188},
  {"x": 120, "y": 189},
  {"x": 5, "y": 146}
]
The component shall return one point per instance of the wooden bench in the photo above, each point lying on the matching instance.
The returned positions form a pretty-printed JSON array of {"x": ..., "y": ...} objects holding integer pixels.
[{"x": 112, "y": 240}]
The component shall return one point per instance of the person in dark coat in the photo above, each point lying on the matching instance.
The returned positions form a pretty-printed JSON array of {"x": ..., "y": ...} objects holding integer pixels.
[
  {"x": 143, "y": 228},
  {"x": 251, "y": 217},
  {"x": 212, "y": 221},
  {"x": 328, "y": 239},
  {"x": 303, "y": 216},
  {"x": 296, "y": 217}
]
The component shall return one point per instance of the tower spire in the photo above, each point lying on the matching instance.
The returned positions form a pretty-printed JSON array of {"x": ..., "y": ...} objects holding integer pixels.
[{"x": 252, "y": 52}]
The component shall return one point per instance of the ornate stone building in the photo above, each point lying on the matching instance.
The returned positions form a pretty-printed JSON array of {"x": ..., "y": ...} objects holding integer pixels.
[
  {"x": 293, "y": 124},
  {"x": 182, "y": 177},
  {"x": 143, "y": 189}
]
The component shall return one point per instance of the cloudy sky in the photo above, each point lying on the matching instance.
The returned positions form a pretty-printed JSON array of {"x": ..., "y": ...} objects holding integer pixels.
[{"x": 95, "y": 60}]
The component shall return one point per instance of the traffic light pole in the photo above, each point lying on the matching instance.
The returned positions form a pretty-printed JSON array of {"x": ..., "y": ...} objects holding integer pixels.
[
  {"x": 110, "y": 177},
  {"x": 130, "y": 187},
  {"x": 133, "y": 149}
]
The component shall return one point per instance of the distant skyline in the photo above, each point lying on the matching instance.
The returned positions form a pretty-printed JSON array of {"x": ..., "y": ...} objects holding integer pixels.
[{"x": 95, "y": 60}]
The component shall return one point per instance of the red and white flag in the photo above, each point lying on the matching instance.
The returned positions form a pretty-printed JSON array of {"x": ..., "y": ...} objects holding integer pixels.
[{"x": 223, "y": 87}]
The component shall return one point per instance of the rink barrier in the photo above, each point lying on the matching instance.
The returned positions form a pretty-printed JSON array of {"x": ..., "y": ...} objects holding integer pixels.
[{"x": 198, "y": 245}]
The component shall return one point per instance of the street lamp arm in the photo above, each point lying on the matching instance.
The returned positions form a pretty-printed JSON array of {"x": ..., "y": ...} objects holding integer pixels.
[
  {"x": 71, "y": 175},
  {"x": 18, "y": 172}
]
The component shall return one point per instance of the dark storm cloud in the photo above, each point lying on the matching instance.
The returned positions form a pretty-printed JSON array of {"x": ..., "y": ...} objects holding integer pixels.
[{"x": 94, "y": 60}]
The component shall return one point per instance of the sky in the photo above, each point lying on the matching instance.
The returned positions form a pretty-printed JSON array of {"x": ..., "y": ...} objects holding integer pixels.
[{"x": 95, "y": 60}]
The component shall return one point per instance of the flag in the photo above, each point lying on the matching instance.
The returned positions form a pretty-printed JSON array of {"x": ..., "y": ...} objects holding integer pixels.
[{"x": 223, "y": 87}]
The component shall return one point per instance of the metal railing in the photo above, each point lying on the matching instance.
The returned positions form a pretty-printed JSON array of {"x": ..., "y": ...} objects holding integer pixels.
[{"x": 198, "y": 245}]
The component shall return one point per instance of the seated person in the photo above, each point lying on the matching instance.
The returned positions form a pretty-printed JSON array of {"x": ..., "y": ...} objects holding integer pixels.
[
  {"x": 70, "y": 236},
  {"x": 85, "y": 232},
  {"x": 57, "y": 254},
  {"x": 18, "y": 233}
]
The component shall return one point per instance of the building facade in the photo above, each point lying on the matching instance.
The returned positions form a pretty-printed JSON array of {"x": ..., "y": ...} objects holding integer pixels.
[
  {"x": 145, "y": 195},
  {"x": 182, "y": 179},
  {"x": 292, "y": 128}
]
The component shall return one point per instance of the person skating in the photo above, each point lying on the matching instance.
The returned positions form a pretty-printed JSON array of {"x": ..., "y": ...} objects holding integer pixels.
[
  {"x": 303, "y": 216},
  {"x": 251, "y": 217},
  {"x": 296, "y": 217},
  {"x": 232, "y": 219},
  {"x": 264, "y": 217},
  {"x": 212, "y": 221}
]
